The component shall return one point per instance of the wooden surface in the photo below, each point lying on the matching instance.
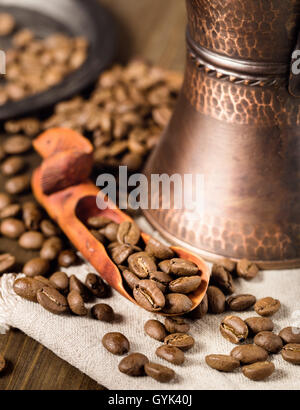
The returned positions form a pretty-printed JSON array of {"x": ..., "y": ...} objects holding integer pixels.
[{"x": 155, "y": 30}]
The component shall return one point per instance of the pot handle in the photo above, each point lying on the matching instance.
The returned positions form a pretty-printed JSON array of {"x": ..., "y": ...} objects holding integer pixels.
[{"x": 294, "y": 79}]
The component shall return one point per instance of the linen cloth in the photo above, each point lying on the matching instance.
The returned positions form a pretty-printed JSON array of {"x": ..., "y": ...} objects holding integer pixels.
[{"x": 78, "y": 339}]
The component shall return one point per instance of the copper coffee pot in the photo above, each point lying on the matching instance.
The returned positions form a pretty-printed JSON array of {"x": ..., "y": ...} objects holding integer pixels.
[{"x": 237, "y": 122}]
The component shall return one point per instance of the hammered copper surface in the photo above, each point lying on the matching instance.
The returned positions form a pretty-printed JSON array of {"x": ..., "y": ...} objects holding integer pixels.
[{"x": 237, "y": 124}]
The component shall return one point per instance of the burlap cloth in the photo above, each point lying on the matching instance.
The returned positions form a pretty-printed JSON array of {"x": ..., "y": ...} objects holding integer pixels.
[{"x": 78, "y": 340}]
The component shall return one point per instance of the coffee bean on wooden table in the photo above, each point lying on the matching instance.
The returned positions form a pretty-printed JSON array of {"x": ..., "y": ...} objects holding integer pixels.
[
  {"x": 258, "y": 371},
  {"x": 267, "y": 306},
  {"x": 141, "y": 264},
  {"x": 17, "y": 184},
  {"x": 12, "y": 166},
  {"x": 239, "y": 303},
  {"x": 130, "y": 278},
  {"x": 246, "y": 269},
  {"x": 222, "y": 362},
  {"x": 48, "y": 228},
  {"x": 181, "y": 340},
  {"x": 2, "y": 363},
  {"x": 128, "y": 233},
  {"x": 179, "y": 267},
  {"x": 31, "y": 240},
  {"x": 156, "y": 330},
  {"x": 221, "y": 278},
  {"x": 157, "y": 249},
  {"x": 52, "y": 300},
  {"x": 61, "y": 281},
  {"x": 200, "y": 311},
  {"x": 76, "y": 303},
  {"x": 158, "y": 372},
  {"x": 177, "y": 303},
  {"x": 149, "y": 296},
  {"x": 5, "y": 200},
  {"x": 51, "y": 248},
  {"x": 10, "y": 211},
  {"x": 291, "y": 353},
  {"x": 259, "y": 324},
  {"x": 103, "y": 312},
  {"x": 27, "y": 288},
  {"x": 171, "y": 354},
  {"x": 96, "y": 285},
  {"x": 31, "y": 215},
  {"x": 176, "y": 325},
  {"x": 76, "y": 284},
  {"x": 185, "y": 284},
  {"x": 12, "y": 228},
  {"x": 116, "y": 343},
  {"x": 248, "y": 354},
  {"x": 290, "y": 334},
  {"x": 269, "y": 341},
  {"x": 234, "y": 329},
  {"x": 67, "y": 258},
  {"x": 36, "y": 266},
  {"x": 7, "y": 262},
  {"x": 18, "y": 144},
  {"x": 7, "y": 24},
  {"x": 216, "y": 300},
  {"x": 133, "y": 364},
  {"x": 161, "y": 280}
]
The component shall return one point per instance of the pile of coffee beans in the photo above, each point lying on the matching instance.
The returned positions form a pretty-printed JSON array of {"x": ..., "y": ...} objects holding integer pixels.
[
  {"x": 33, "y": 64},
  {"x": 157, "y": 279}
]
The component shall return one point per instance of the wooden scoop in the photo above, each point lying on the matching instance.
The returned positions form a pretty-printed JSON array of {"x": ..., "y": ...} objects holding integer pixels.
[{"x": 69, "y": 197}]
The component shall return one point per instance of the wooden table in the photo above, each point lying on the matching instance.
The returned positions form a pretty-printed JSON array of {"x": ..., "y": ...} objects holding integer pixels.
[{"x": 153, "y": 29}]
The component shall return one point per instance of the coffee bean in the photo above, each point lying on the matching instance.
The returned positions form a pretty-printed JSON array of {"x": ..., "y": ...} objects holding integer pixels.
[
  {"x": 96, "y": 285},
  {"x": 267, "y": 306},
  {"x": 110, "y": 231},
  {"x": 103, "y": 312},
  {"x": 52, "y": 300},
  {"x": 176, "y": 325},
  {"x": 200, "y": 311},
  {"x": 35, "y": 267},
  {"x": 181, "y": 340},
  {"x": 221, "y": 278},
  {"x": 7, "y": 24},
  {"x": 67, "y": 258},
  {"x": 98, "y": 222},
  {"x": 12, "y": 166},
  {"x": 48, "y": 228},
  {"x": 10, "y": 211},
  {"x": 222, "y": 362},
  {"x": 290, "y": 335},
  {"x": 258, "y": 371},
  {"x": 17, "y": 184},
  {"x": 76, "y": 303},
  {"x": 5, "y": 200},
  {"x": 141, "y": 264},
  {"x": 171, "y": 354},
  {"x": 116, "y": 343},
  {"x": 246, "y": 269},
  {"x": 179, "y": 267},
  {"x": 157, "y": 249},
  {"x": 248, "y": 354},
  {"x": 185, "y": 284},
  {"x": 31, "y": 215},
  {"x": 228, "y": 264},
  {"x": 158, "y": 372},
  {"x": 156, "y": 330},
  {"x": 259, "y": 324},
  {"x": 61, "y": 281},
  {"x": 76, "y": 284},
  {"x": 99, "y": 236},
  {"x": 27, "y": 288},
  {"x": 234, "y": 329},
  {"x": 133, "y": 364},
  {"x": 161, "y": 279},
  {"x": 269, "y": 341},
  {"x": 239, "y": 303},
  {"x": 2, "y": 363},
  {"x": 131, "y": 279},
  {"x": 12, "y": 228},
  {"x": 31, "y": 240},
  {"x": 149, "y": 296},
  {"x": 17, "y": 144},
  {"x": 216, "y": 300},
  {"x": 291, "y": 353},
  {"x": 120, "y": 253},
  {"x": 128, "y": 233},
  {"x": 7, "y": 262},
  {"x": 177, "y": 303},
  {"x": 51, "y": 248},
  {"x": 44, "y": 281}
]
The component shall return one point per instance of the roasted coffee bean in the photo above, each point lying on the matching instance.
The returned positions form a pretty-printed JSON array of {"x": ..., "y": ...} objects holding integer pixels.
[
  {"x": 158, "y": 372},
  {"x": 12, "y": 166},
  {"x": 181, "y": 340},
  {"x": 128, "y": 233},
  {"x": 48, "y": 228},
  {"x": 185, "y": 284},
  {"x": 179, "y": 267},
  {"x": 7, "y": 25},
  {"x": 149, "y": 296},
  {"x": 221, "y": 278},
  {"x": 99, "y": 236},
  {"x": 176, "y": 325},
  {"x": 17, "y": 184},
  {"x": 52, "y": 300},
  {"x": 116, "y": 343},
  {"x": 267, "y": 306},
  {"x": 17, "y": 144},
  {"x": 291, "y": 353},
  {"x": 67, "y": 258},
  {"x": 7, "y": 262},
  {"x": 76, "y": 303},
  {"x": 133, "y": 364},
  {"x": 10, "y": 211},
  {"x": 222, "y": 362},
  {"x": 157, "y": 249},
  {"x": 228, "y": 264},
  {"x": 98, "y": 222},
  {"x": 61, "y": 281},
  {"x": 246, "y": 269},
  {"x": 110, "y": 231},
  {"x": 130, "y": 278},
  {"x": 96, "y": 285},
  {"x": 234, "y": 329},
  {"x": 239, "y": 303},
  {"x": 44, "y": 281},
  {"x": 103, "y": 312},
  {"x": 171, "y": 354},
  {"x": 31, "y": 240},
  {"x": 258, "y": 371},
  {"x": 177, "y": 303},
  {"x": 156, "y": 330},
  {"x": 268, "y": 341},
  {"x": 161, "y": 279},
  {"x": 200, "y": 311},
  {"x": 5, "y": 200},
  {"x": 76, "y": 284},
  {"x": 2, "y": 363},
  {"x": 27, "y": 288},
  {"x": 35, "y": 267},
  {"x": 216, "y": 300},
  {"x": 120, "y": 253},
  {"x": 141, "y": 264},
  {"x": 31, "y": 215},
  {"x": 290, "y": 335},
  {"x": 259, "y": 324},
  {"x": 51, "y": 248},
  {"x": 12, "y": 228},
  {"x": 248, "y": 354}
]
